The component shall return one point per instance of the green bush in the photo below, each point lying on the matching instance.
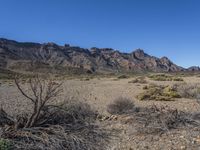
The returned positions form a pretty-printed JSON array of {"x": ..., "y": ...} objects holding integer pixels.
[
  {"x": 5, "y": 144},
  {"x": 164, "y": 77}
]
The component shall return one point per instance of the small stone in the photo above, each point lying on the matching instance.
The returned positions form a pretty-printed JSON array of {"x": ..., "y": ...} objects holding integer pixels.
[
  {"x": 183, "y": 147},
  {"x": 196, "y": 140}
]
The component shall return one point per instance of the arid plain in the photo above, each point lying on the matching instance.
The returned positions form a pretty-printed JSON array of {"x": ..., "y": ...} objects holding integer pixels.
[{"x": 100, "y": 92}]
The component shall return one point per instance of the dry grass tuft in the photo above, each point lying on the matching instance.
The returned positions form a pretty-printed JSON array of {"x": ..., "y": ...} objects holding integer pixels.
[
  {"x": 188, "y": 90},
  {"x": 121, "y": 106}
]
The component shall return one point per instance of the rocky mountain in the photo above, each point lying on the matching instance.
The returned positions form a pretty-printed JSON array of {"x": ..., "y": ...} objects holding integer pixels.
[
  {"x": 29, "y": 56},
  {"x": 194, "y": 68}
]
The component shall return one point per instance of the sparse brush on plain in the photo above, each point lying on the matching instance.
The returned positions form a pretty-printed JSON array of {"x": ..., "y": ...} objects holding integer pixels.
[
  {"x": 67, "y": 126},
  {"x": 188, "y": 90},
  {"x": 158, "y": 93},
  {"x": 157, "y": 120},
  {"x": 85, "y": 79},
  {"x": 153, "y": 120},
  {"x": 80, "y": 110},
  {"x": 140, "y": 80},
  {"x": 123, "y": 76},
  {"x": 121, "y": 105},
  {"x": 164, "y": 77}
]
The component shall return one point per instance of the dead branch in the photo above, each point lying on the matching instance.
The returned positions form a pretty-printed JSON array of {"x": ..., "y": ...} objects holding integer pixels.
[{"x": 42, "y": 93}]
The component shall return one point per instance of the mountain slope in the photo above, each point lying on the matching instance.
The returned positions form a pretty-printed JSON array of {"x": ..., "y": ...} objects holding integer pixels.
[{"x": 27, "y": 56}]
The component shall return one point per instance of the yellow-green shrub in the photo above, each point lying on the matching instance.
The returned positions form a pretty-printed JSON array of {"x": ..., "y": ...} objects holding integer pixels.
[{"x": 158, "y": 93}]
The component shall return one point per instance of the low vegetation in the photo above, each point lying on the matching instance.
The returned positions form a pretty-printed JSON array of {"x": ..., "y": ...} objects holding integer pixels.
[
  {"x": 170, "y": 92},
  {"x": 188, "y": 90},
  {"x": 123, "y": 76},
  {"x": 67, "y": 126},
  {"x": 5, "y": 144},
  {"x": 75, "y": 125},
  {"x": 164, "y": 77},
  {"x": 157, "y": 120},
  {"x": 158, "y": 93},
  {"x": 121, "y": 106},
  {"x": 140, "y": 80}
]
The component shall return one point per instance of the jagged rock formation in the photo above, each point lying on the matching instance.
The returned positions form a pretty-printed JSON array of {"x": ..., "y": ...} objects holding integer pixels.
[
  {"x": 194, "y": 68},
  {"x": 26, "y": 56}
]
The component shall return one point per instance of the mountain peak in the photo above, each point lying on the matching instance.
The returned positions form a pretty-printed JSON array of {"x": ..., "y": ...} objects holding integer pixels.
[
  {"x": 165, "y": 59},
  {"x": 138, "y": 50},
  {"x": 139, "y": 53},
  {"x": 194, "y": 68}
]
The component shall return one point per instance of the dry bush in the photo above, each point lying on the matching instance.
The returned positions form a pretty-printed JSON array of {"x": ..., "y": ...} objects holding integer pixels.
[
  {"x": 43, "y": 93},
  {"x": 164, "y": 77},
  {"x": 153, "y": 120},
  {"x": 187, "y": 90},
  {"x": 140, "y": 80},
  {"x": 123, "y": 77},
  {"x": 68, "y": 126},
  {"x": 156, "y": 120},
  {"x": 158, "y": 93},
  {"x": 5, "y": 119},
  {"x": 80, "y": 110},
  {"x": 60, "y": 130},
  {"x": 121, "y": 106}
]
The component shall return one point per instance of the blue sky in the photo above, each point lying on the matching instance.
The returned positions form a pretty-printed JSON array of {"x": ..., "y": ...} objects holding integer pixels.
[{"x": 161, "y": 27}]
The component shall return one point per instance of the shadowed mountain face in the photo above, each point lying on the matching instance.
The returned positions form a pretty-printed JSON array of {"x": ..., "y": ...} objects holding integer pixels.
[{"x": 27, "y": 56}]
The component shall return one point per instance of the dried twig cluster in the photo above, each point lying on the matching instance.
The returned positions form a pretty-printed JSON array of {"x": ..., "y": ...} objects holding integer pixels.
[{"x": 69, "y": 126}]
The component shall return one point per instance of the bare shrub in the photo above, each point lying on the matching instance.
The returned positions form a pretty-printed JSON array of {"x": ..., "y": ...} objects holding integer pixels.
[
  {"x": 43, "y": 93},
  {"x": 67, "y": 126},
  {"x": 121, "y": 106},
  {"x": 60, "y": 130},
  {"x": 123, "y": 76},
  {"x": 5, "y": 119},
  {"x": 187, "y": 90},
  {"x": 140, "y": 80},
  {"x": 80, "y": 110}
]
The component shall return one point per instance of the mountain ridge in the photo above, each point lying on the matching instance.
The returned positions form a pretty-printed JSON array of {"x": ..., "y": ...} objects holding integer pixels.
[{"x": 29, "y": 55}]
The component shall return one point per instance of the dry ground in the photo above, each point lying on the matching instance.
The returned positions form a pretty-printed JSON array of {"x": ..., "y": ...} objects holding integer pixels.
[{"x": 99, "y": 92}]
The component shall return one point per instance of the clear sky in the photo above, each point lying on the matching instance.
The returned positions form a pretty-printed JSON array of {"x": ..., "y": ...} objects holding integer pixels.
[{"x": 161, "y": 27}]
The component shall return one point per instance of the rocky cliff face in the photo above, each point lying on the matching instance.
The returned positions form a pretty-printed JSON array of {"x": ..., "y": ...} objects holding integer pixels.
[{"x": 18, "y": 55}]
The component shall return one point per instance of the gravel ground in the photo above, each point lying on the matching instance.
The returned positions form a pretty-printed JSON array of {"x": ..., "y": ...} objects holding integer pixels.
[{"x": 101, "y": 92}]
